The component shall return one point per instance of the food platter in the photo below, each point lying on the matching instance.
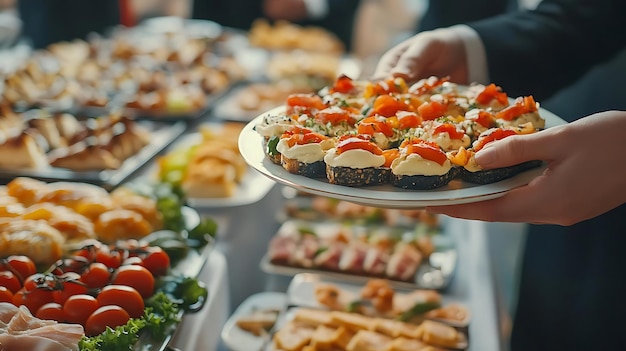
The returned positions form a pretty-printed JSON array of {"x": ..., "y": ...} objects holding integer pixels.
[
  {"x": 434, "y": 272},
  {"x": 160, "y": 138},
  {"x": 456, "y": 192},
  {"x": 252, "y": 188}
]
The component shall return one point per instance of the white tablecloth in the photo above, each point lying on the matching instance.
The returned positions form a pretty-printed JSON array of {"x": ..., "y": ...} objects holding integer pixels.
[{"x": 201, "y": 331}]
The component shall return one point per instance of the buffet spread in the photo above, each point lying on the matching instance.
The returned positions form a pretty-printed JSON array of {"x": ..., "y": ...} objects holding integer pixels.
[{"x": 110, "y": 146}]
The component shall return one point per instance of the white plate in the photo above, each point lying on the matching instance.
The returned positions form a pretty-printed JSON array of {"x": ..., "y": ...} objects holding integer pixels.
[
  {"x": 253, "y": 186},
  {"x": 456, "y": 192},
  {"x": 237, "y": 339}
]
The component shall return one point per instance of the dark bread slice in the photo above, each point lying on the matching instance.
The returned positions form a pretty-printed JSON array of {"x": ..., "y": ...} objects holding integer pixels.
[
  {"x": 423, "y": 182},
  {"x": 312, "y": 170},
  {"x": 357, "y": 176},
  {"x": 489, "y": 176}
]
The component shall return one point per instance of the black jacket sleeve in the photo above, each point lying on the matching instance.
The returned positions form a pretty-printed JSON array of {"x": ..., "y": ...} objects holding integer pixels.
[
  {"x": 445, "y": 13},
  {"x": 538, "y": 52}
]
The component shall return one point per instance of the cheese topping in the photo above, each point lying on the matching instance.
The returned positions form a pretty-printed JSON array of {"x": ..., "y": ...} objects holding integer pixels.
[
  {"x": 307, "y": 153},
  {"x": 414, "y": 164},
  {"x": 471, "y": 165},
  {"x": 355, "y": 158},
  {"x": 449, "y": 144},
  {"x": 533, "y": 117}
]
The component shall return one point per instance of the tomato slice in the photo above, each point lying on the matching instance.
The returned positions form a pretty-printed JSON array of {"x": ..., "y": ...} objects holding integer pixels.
[
  {"x": 483, "y": 118},
  {"x": 491, "y": 92},
  {"x": 432, "y": 110},
  {"x": 357, "y": 142},
  {"x": 450, "y": 129},
  {"x": 521, "y": 106},
  {"x": 304, "y": 103},
  {"x": 494, "y": 135},
  {"x": 388, "y": 105},
  {"x": 408, "y": 120},
  {"x": 342, "y": 85},
  {"x": 427, "y": 150},
  {"x": 371, "y": 125}
]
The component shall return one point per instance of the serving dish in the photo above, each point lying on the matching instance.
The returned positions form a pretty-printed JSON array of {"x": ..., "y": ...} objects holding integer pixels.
[
  {"x": 161, "y": 136},
  {"x": 456, "y": 192},
  {"x": 235, "y": 338},
  {"x": 342, "y": 250}
]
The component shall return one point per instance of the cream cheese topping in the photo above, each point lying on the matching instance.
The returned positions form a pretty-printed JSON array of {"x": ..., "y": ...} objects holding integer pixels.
[
  {"x": 355, "y": 158},
  {"x": 471, "y": 165},
  {"x": 533, "y": 117},
  {"x": 449, "y": 144},
  {"x": 414, "y": 164},
  {"x": 307, "y": 153}
]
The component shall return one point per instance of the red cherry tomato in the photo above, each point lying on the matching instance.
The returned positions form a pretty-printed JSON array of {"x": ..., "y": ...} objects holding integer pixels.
[
  {"x": 112, "y": 259},
  {"x": 96, "y": 275},
  {"x": 51, "y": 311},
  {"x": 137, "y": 277},
  {"x": 10, "y": 281},
  {"x": 40, "y": 281},
  {"x": 6, "y": 295},
  {"x": 79, "y": 307},
  {"x": 33, "y": 299},
  {"x": 105, "y": 316},
  {"x": 124, "y": 296},
  {"x": 71, "y": 286},
  {"x": 157, "y": 261},
  {"x": 23, "y": 265}
]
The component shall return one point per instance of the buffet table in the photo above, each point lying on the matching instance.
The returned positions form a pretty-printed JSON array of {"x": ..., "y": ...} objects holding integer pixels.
[
  {"x": 201, "y": 331},
  {"x": 245, "y": 232}
]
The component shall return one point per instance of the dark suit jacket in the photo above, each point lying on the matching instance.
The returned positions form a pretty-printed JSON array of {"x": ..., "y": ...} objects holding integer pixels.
[
  {"x": 241, "y": 13},
  {"x": 572, "y": 288},
  {"x": 538, "y": 52},
  {"x": 49, "y": 21}
]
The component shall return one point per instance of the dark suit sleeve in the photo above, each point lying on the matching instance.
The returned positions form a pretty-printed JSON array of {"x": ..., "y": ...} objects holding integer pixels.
[
  {"x": 339, "y": 20},
  {"x": 537, "y": 52},
  {"x": 445, "y": 13}
]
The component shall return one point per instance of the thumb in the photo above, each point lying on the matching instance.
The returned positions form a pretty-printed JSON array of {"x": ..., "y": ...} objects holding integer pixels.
[{"x": 514, "y": 150}]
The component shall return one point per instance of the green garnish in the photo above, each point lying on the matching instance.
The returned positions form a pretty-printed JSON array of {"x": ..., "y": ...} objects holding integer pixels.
[
  {"x": 202, "y": 234},
  {"x": 188, "y": 293},
  {"x": 160, "y": 314},
  {"x": 271, "y": 146},
  {"x": 417, "y": 310}
]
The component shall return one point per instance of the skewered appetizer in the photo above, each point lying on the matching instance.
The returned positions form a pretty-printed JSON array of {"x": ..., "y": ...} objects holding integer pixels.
[{"x": 419, "y": 137}]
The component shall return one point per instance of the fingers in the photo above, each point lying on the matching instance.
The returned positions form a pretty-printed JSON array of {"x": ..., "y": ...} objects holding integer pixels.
[
  {"x": 517, "y": 149},
  {"x": 389, "y": 60}
]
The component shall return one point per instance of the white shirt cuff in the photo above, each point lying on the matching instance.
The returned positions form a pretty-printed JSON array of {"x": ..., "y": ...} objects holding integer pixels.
[
  {"x": 475, "y": 51},
  {"x": 316, "y": 9}
]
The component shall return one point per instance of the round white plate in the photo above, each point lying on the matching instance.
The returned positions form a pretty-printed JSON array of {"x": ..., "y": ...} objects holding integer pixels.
[
  {"x": 237, "y": 339},
  {"x": 456, "y": 192}
]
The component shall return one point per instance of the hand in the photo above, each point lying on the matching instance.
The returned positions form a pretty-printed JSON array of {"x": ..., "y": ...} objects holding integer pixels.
[
  {"x": 585, "y": 175},
  {"x": 438, "y": 53},
  {"x": 288, "y": 10}
]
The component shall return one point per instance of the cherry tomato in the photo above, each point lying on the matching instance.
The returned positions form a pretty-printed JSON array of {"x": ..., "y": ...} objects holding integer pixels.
[
  {"x": 40, "y": 281},
  {"x": 22, "y": 265},
  {"x": 112, "y": 259},
  {"x": 136, "y": 260},
  {"x": 51, "y": 311},
  {"x": 74, "y": 264},
  {"x": 105, "y": 316},
  {"x": 33, "y": 299},
  {"x": 124, "y": 296},
  {"x": 157, "y": 261},
  {"x": 137, "y": 277},
  {"x": 70, "y": 286},
  {"x": 10, "y": 281},
  {"x": 6, "y": 295},
  {"x": 79, "y": 307},
  {"x": 96, "y": 275},
  {"x": 90, "y": 248}
]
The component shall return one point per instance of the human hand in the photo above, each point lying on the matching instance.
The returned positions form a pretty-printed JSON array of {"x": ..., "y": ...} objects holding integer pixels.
[
  {"x": 437, "y": 53},
  {"x": 288, "y": 10},
  {"x": 585, "y": 175}
]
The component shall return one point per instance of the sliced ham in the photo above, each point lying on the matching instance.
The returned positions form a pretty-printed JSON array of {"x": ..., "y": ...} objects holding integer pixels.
[
  {"x": 280, "y": 249},
  {"x": 25, "y": 332},
  {"x": 305, "y": 251},
  {"x": 375, "y": 261},
  {"x": 353, "y": 258},
  {"x": 404, "y": 262},
  {"x": 329, "y": 258}
]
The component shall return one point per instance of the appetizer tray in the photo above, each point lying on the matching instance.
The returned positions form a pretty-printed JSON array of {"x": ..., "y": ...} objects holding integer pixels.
[
  {"x": 161, "y": 135},
  {"x": 345, "y": 243},
  {"x": 303, "y": 298},
  {"x": 252, "y": 188},
  {"x": 456, "y": 192}
]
